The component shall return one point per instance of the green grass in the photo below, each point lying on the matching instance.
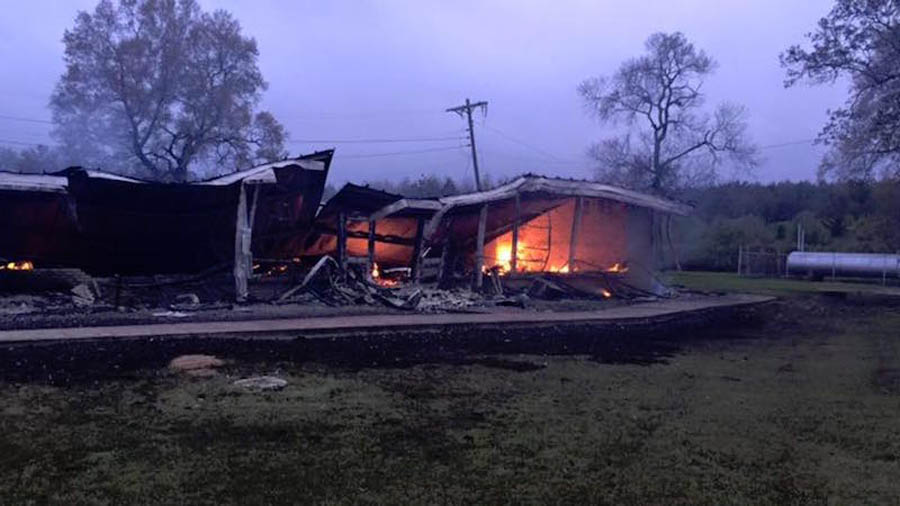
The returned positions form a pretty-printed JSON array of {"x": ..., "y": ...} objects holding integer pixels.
[
  {"x": 729, "y": 282},
  {"x": 802, "y": 409}
]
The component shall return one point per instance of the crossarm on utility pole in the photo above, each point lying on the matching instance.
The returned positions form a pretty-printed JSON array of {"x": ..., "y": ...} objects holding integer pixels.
[{"x": 467, "y": 110}]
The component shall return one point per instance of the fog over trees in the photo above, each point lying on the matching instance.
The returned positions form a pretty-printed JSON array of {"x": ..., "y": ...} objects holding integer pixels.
[{"x": 161, "y": 89}]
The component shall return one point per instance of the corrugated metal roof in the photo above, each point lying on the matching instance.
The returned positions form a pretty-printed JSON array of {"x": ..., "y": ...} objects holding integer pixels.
[
  {"x": 532, "y": 183},
  {"x": 32, "y": 182},
  {"x": 264, "y": 173}
]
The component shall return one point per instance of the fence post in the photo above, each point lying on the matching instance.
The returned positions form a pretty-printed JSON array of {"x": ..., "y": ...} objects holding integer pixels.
[{"x": 740, "y": 258}]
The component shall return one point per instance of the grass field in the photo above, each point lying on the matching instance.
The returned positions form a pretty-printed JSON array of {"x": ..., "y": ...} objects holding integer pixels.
[
  {"x": 800, "y": 407},
  {"x": 727, "y": 282}
]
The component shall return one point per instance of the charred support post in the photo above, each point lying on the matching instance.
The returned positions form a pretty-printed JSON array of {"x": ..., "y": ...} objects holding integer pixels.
[
  {"x": 514, "y": 262},
  {"x": 370, "y": 260},
  {"x": 478, "y": 277},
  {"x": 342, "y": 243},
  {"x": 242, "y": 234},
  {"x": 447, "y": 257},
  {"x": 417, "y": 250},
  {"x": 576, "y": 227}
]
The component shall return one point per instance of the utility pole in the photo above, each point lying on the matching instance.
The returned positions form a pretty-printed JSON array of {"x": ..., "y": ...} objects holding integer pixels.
[{"x": 467, "y": 109}]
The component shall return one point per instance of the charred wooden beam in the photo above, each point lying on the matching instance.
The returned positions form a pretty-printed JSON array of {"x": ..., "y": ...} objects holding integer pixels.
[
  {"x": 342, "y": 242},
  {"x": 515, "y": 235},
  {"x": 356, "y": 234},
  {"x": 576, "y": 227},
  {"x": 417, "y": 250},
  {"x": 370, "y": 264}
]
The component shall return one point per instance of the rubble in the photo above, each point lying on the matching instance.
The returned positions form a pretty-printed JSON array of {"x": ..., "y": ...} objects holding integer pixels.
[
  {"x": 186, "y": 301},
  {"x": 82, "y": 295},
  {"x": 196, "y": 365},
  {"x": 263, "y": 383}
]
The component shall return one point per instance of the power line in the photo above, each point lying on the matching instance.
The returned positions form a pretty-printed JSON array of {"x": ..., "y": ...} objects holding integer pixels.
[
  {"x": 23, "y": 143},
  {"x": 397, "y": 153},
  {"x": 789, "y": 143},
  {"x": 28, "y": 120},
  {"x": 529, "y": 146},
  {"x": 362, "y": 115},
  {"x": 373, "y": 141}
]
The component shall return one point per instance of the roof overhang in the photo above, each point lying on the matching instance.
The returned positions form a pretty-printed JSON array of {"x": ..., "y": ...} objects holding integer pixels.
[
  {"x": 565, "y": 187},
  {"x": 264, "y": 174},
  {"x": 12, "y": 181}
]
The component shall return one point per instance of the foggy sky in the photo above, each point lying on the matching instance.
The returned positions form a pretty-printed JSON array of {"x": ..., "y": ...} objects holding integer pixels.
[{"x": 388, "y": 69}]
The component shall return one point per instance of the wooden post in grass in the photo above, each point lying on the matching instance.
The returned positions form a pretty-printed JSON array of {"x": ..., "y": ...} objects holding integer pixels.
[
  {"x": 740, "y": 258},
  {"x": 576, "y": 226},
  {"x": 478, "y": 275},
  {"x": 514, "y": 261}
]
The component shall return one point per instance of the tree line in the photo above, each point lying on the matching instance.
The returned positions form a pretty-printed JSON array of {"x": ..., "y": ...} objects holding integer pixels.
[{"x": 861, "y": 216}]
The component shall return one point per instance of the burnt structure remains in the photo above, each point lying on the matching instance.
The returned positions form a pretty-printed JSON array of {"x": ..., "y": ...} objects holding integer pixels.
[
  {"x": 600, "y": 239},
  {"x": 107, "y": 224},
  {"x": 532, "y": 225}
]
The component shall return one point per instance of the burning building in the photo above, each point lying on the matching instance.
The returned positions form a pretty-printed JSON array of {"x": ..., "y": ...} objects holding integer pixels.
[
  {"x": 532, "y": 225},
  {"x": 538, "y": 224},
  {"x": 368, "y": 226}
]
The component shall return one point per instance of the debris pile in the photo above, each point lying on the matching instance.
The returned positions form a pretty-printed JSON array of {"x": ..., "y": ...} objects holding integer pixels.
[
  {"x": 326, "y": 283},
  {"x": 262, "y": 383},
  {"x": 196, "y": 365},
  {"x": 439, "y": 301}
]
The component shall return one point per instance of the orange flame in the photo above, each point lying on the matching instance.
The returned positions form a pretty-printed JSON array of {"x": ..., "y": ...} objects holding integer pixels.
[
  {"x": 618, "y": 268},
  {"x": 376, "y": 276},
  {"x": 24, "y": 265},
  {"x": 504, "y": 257},
  {"x": 606, "y": 293}
]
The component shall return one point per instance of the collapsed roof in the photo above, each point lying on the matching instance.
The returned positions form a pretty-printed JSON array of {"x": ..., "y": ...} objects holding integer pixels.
[{"x": 118, "y": 224}]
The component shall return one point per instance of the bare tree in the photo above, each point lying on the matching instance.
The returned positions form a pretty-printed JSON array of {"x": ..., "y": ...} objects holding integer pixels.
[
  {"x": 670, "y": 142},
  {"x": 859, "y": 39},
  {"x": 162, "y": 87}
]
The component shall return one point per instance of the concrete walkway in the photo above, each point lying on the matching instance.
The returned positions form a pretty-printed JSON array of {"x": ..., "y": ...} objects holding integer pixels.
[{"x": 327, "y": 326}]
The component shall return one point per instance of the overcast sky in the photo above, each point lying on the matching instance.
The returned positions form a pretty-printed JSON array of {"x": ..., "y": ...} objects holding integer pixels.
[{"x": 388, "y": 69}]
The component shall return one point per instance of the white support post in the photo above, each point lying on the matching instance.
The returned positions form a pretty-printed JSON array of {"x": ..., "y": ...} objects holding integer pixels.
[
  {"x": 478, "y": 275},
  {"x": 242, "y": 234}
]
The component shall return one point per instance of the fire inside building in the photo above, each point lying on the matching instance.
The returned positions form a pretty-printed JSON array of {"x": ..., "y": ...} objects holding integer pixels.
[
  {"x": 601, "y": 236},
  {"x": 603, "y": 240}
]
